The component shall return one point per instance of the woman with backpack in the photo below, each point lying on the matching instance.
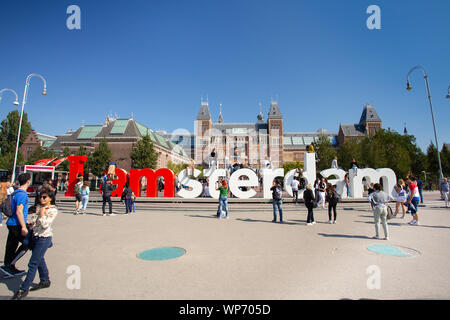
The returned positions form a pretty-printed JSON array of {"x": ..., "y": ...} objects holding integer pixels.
[
  {"x": 332, "y": 198},
  {"x": 310, "y": 203},
  {"x": 277, "y": 193}
]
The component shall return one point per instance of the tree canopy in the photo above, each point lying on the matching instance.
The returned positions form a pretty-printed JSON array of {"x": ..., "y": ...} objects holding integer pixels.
[{"x": 143, "y": 154}]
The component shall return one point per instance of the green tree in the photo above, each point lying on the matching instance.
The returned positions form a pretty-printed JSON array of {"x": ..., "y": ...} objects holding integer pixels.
[
  {"x": 347, "y": 151},
  {"x": 177, "y": 168},
  {"x": 65, "y": 165},
  {"x": 143, "y": 154},
  {"x": 288, "y": 166},
  {"x": 40, "y": 153},
  {"x": 98, "y": 160},
  {"x": 9, "y": 129},
  {"x": 82, "y": 151},
  {"x": 445, "y": 161},
  {"x": 325, "y": 152}
]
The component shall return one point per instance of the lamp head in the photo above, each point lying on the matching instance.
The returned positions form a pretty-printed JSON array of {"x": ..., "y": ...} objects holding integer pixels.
[
  {"x": 408, "y": 86},
  {"x": 44, "y": 92},
  {"x": 16, "y": 103}
]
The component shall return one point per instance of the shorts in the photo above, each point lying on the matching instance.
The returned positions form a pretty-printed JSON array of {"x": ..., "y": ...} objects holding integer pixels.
[{"x": 78, "y": 197}]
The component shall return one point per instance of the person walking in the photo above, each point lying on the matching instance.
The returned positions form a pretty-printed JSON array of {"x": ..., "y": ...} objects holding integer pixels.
[
  {"x": 413, "y": 200},
  {"x": 223, "y": 198},
  {"x": 294, "y": 185},
  {"x": 379, "y": 200},
  {"x": 107, "y": 189},
  {"x": 277, "y": 195},
  {"x": 17, "y": 227},
  {"x": 347, "y": 184},
  {"x": 128, "y": 194},
  {"x": 444, "y": 189},
  {"x": 85, "y": 191},
  {"x": 420, "y": 186},
  {"x": 41, "y": 241},
  {"x": 332, "y": 198},
  {"x": 77, "y": 192},
  {"x": 310, "y": 203}
]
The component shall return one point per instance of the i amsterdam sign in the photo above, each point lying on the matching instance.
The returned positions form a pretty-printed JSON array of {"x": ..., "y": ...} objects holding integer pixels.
[{"x": 195, "y": 187}]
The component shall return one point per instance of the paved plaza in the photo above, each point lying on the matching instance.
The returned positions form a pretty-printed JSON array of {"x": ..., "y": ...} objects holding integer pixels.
[{"x": 244, "y": 257}]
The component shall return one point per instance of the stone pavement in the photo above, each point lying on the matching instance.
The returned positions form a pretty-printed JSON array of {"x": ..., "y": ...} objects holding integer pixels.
[{"x": 245, "y": 257}]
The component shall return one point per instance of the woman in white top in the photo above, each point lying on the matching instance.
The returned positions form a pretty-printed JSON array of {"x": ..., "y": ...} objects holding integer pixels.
[{"x": 40, "y": 241}]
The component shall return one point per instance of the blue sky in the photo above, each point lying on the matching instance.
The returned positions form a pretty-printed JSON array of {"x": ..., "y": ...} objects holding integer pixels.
[{"x": 158, "y": 58}]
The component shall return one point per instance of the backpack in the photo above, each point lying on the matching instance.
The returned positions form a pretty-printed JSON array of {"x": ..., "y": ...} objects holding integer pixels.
[
  {"x": 277, "y": 193},
  {"x": 6, "y": 206},
  {"x": 76, "y": 189},
  {"x": 302, "y": 184}
]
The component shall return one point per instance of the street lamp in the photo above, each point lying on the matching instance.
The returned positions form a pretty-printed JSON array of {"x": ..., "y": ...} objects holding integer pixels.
[
  {"x": 16, "y": 102},
  {"x": 408, "y": 87},
  {"x": 25, "y": 93}
]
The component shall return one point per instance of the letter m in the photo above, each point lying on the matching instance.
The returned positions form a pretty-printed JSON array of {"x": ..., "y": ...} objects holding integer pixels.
[{"x": 136, "y": 176}]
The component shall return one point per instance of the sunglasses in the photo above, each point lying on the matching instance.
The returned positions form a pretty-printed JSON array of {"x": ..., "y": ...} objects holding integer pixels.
[{"x": 44, "y": 197}]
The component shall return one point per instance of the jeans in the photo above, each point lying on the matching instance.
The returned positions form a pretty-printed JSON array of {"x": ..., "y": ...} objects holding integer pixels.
[
  {"x": 107, "y": 199},
  {"x": 84, "y": 202},
  {"x": 37, "y": 261},
  {"x": 277, "y": 203},
  {"x": 310, "y": 215},
  {"x": 332, "y": 206},
  {"x": 381, "y": 213},
  {"x": 415, "y": 203},
  {"x": 421, "y": 195},
  {"x": 295, "y": 195},
  {"x": 128, "y": 206},
  {"x": 223, "y": 201}
]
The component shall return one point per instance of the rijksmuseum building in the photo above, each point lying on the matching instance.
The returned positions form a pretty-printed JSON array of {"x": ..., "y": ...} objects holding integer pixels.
[{"x": 253, "y": 143}]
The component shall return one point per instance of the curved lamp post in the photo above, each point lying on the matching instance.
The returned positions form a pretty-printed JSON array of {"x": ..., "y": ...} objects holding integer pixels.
[
  {"x": 408, "y": 87},
  {"x": 16, "y": 102},
  {"x": 44, "y": 92}
]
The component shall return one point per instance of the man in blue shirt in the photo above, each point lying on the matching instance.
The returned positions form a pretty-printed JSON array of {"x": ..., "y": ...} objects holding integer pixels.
[{"x": 17, "y": 227}]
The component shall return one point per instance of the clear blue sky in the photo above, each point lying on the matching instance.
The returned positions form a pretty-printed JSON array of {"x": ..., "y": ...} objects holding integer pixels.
[{"x": 157, "y": 58}]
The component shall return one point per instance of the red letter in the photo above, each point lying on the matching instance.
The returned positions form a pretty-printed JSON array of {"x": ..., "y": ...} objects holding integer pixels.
[
  {"x": 120, "y": 182},
  {"x": 152, "y": 178},
  {"x": 76, "y": 167}
]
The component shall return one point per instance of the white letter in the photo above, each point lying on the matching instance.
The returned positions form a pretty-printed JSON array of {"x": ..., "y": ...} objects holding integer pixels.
[
  {"x": 235, "y": 183},
  {"x": 287, "y": 181},
  {"x": 74, "y": 21},
  {"x": 374, "y": 281},
  {"x": 372, "y": 176},
  {"x": 74, "y": 281},
  {"x": 340, "y": 182},
  {"x": 374, "y": 21},
  {"x": 196, "y": 186}
]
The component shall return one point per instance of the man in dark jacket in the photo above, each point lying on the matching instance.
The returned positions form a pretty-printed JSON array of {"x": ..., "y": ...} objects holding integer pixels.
[
  {"x": 309, "y": 198},
  {"x": 107, "y": 189}
]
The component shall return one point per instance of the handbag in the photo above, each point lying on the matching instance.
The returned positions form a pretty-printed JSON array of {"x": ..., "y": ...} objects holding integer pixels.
[{"x": 390, "y": 215}]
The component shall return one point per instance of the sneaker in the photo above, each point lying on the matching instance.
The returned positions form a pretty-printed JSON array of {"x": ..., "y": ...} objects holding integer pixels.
[
  {"x": 416, "y": 223},
  {"x": 309, "y": 224},
  {"x": 334, "y": 222},
  {"x": 386, "y": 238},
  {"x": 411, "y": 222},
  {"x": 375, "y": 237},
  {"x": 104, "y": 214},
  {"x": 274, "y": 220},
  {"x": 330, "y": 222},
  {"x": 227, "y": 217},
  {"x": 112, "y": 214},
  {"x": 20, "y": 295},
  {"x": 313, "y": 222},
  {"x": 40, "y": 285}
]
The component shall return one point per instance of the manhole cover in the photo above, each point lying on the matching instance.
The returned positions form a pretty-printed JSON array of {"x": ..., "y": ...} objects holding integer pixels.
[
  {"x": 393, "y": 251},
  {"x": 165, "y": 253}
]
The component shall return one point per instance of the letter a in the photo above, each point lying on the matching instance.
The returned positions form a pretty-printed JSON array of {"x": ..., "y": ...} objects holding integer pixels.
[
  {"x": 374, "y": 21},
  {"x": 74, "y": 21}
]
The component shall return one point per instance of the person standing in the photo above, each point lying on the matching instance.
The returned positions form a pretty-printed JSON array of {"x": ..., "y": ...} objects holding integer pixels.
[
  {"x": 321, "y": 189},
  {"x": 444, "y": 189},
  {"x": 77, "y": 192},
  {"x": 354, "y": 166},
  {"x": 347, "y": 184},
  {"x": 294, "y": 185},
  {"x": 401, "y": 200},
  {"x": 223, "y": 199},
  {"x": 379, "y": 200},
  {"x": 413, "y": 200},
  {"x": 41, "y": 240},
  {"x": 420, "y": 186},
  {"x": 17, "y": 227},
  {"x": 107, "y": 189},
  {"x": 84, "y": 196},
  {"x": 277, "y": 195},
  {"x": 310, "y": 203},
  {"x": 332, "y": 198},
  {"x": 334, "y": 163},
  {"x": 128, "y": 199}
]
